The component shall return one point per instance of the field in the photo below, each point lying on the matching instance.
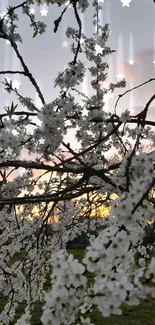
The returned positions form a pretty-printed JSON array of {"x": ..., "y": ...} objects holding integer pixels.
[{"x": 144, "y": 314}]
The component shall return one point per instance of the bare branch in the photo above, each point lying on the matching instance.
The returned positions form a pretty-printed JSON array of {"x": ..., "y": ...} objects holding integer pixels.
[
  {"x": 12, "y": 72},
  {"x": 129, "y": 90}
]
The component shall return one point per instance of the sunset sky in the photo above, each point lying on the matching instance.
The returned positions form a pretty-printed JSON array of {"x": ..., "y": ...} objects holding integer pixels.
[{"x": 132, "y": 36}]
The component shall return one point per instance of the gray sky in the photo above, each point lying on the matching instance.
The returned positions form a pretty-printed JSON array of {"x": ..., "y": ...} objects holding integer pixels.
[{"x": 132, "y": 35}]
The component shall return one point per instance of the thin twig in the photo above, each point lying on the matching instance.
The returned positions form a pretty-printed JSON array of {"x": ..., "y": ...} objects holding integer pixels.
[{"x": 129, "y": 90}]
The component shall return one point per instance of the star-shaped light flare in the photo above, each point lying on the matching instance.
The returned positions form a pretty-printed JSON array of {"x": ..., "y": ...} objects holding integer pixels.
[
  {"x": 44, "y": 11},
  {"x": 98, "y": 49},
  {"x": 125, "y": 3},
  {"x": 65, "y": 44},
  {"x": 131, "y": 62},
  {"x": 120, "y": 76},
  {"x": 16, "y": 84}
]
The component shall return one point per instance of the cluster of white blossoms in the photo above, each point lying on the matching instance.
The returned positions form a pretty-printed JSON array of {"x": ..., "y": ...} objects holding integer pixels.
[
  {"x": 28, "y": 253},
  {"x": 72, "y": 76},
  {"x": 49, "y": 123},
  {"x": 109, "y": 259},
  {"x": 116, "y": 281},
  {"x": 68, "y": 287}
]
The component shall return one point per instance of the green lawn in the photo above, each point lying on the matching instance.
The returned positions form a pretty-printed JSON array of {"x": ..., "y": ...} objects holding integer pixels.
[{"x": 143, "y": 314}]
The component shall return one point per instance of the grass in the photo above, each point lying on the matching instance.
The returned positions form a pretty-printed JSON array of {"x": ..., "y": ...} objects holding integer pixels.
[{"x": 144, "y": 314}]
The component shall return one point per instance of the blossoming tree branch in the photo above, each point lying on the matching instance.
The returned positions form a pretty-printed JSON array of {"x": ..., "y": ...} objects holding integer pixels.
[{"x": 72, "y": 183}]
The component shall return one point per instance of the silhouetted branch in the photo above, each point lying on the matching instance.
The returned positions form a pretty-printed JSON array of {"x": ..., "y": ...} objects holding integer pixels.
[{"x": 129, "y": 90}]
